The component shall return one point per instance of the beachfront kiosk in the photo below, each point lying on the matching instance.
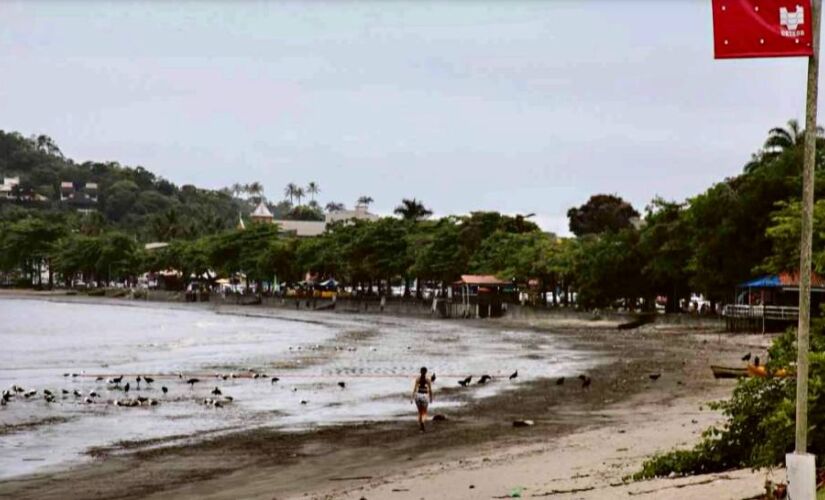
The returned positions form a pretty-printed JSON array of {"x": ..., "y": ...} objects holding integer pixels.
[
  {"x": 770, "y": 303},
  {"x": 477, "y": 296}
]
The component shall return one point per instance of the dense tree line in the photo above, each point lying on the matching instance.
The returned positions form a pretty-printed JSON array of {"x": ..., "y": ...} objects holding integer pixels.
[{"x": 739, "y": 227}]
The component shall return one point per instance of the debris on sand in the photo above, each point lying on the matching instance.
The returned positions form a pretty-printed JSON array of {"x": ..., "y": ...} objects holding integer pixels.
[{"x": 523, "y": 423}]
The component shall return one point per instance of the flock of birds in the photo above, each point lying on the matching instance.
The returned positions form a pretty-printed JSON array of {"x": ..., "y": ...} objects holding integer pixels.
[
  {"x": 586, "y": 381},
  {"x": 217, "y": 398},
  {"x": 124, "y": 385}
]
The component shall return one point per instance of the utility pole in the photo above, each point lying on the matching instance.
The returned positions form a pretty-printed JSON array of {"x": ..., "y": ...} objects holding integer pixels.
[
  {"x": 809, "y": 161},
  {"x": 801, "y": 465}
]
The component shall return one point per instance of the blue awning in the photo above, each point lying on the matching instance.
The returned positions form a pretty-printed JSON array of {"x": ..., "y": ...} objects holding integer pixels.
[{"x": 768, "y": 281}]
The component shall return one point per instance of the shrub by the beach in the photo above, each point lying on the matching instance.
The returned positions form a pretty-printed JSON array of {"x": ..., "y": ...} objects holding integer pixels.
[{"x": 758, "y": 429}]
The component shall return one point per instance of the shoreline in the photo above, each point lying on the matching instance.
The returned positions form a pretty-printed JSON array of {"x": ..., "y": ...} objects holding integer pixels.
[{"x": 263, "y": 462}]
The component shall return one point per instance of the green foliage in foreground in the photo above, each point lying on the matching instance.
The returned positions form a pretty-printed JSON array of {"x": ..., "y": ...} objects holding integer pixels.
[{"x": 759, "y": 419}]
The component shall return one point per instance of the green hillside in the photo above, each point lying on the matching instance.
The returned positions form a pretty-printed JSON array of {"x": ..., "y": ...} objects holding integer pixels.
[{"x": 132, "y": 200}]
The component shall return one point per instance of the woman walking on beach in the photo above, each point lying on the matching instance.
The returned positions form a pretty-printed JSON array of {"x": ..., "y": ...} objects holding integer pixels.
[{"x": 422, "y": 396}]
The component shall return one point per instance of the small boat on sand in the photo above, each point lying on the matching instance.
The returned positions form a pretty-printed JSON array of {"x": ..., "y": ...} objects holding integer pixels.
[
  {"x": 728, "y": 371},
  {"x": 749, "y": 371}
]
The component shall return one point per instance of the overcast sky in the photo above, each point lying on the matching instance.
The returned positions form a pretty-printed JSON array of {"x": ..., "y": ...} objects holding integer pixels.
[{"x": 512, "y": 106}]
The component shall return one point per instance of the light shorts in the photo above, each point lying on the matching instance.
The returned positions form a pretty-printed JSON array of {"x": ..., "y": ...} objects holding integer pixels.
[{"x": 422, "y": 401}]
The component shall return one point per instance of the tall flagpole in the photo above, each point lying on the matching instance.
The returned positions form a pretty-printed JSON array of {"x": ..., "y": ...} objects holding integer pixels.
[{"x": 803, "y": 331}]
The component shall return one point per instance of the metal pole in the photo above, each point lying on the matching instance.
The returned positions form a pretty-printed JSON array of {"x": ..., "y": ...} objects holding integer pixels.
[{"x": 803, "y": 330}]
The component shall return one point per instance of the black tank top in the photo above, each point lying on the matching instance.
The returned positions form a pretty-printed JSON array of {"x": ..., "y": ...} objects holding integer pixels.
[{"x": 422, "y": 385}]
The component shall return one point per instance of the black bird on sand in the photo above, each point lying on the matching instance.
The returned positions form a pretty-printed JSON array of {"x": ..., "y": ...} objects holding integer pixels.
[
  {"x": 432, "y": 379},
  {"x": 99, "y": 379},
  {"x": 484, "y": 379},
  {"x": 138, "y": 379},
  {"x": 126, "y": 387},
  {"x": 560, "y": 381},
  {"x": 586, "y": 381},
  {"x": 514, "y": 375},
  {"x": 192, "y": 382},
  {"x": 655, "y": 376},
  {"x": 148, "y": 380},
  {"x": 746, "y": 357},
  {"x": 117, "y": 380},
  {"x": 342, "y": 385},
  {"x": 304, "y": 401},
  {"x": 77, "y": 393},
  {"x": 465, "y": 382},
  {"x": 216, "y": 391},
  {"x": 274, "y": 379},
  {"x": 64, "y": 391},
  {"x": 756, "y": 361},
  {"x": 65, "y": 374},
  {"x": 164, "y": 389}
]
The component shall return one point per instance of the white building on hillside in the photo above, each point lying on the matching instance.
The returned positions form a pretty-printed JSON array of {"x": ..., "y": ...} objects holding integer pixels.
[
  {"x": 359, "y": 213},
  {"x": 7, "y": 188}
]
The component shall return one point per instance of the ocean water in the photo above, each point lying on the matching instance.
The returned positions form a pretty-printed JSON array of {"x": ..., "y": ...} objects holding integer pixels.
[{"x": 377, "y": 358}]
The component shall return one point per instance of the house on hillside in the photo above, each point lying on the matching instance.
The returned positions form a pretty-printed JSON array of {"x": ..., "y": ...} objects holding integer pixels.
[
  {"x": 81, "y": 195},
  {"x": 11, "y": 190},
  {"x": 7, "y": 191}
]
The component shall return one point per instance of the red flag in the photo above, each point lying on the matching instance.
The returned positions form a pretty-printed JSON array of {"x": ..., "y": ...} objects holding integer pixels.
[{"x": 762, "y": 28}]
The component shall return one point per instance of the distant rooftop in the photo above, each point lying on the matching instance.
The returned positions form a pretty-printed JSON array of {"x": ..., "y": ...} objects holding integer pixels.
[
  {"x": 359, "y": 213},
  {"x": 302, "y": 228},
  {"x": 261, "y": 212}
]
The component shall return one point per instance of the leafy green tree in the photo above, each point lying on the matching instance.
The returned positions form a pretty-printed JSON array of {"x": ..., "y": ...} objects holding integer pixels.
[
  {"x": 784, "y": 235},
  {"x": 608, "y": 269},
  {"x": 119, "y": 198},
  {"x": 602, "y": 213},
  {"x": 665, "y": 245},
  {"x": 442, "y": 256},
  {"x": 27, "y": 244}
]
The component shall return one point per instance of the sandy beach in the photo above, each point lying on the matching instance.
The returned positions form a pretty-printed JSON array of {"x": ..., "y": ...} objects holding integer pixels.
[{"x": 583, "y": 444}]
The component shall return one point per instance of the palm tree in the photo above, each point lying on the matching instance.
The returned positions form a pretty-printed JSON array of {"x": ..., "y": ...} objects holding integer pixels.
[
  {"x": 365, "y": 200},
  {"x": 237, "y": 189},
  {"x": 256, "y": 188},
  {"x": 289, "y": 191},
  {"x": 412, "y": 210},
  {"x": 780, "y": 139},
  {"x": 312, "y": 189},
  {"x": 334, "y": 206},
  {"x": 299, "y": 193},
  {"x": 755, "y": 163}
]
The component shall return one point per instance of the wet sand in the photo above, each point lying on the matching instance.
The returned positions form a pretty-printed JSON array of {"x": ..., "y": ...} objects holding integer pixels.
[{"x": 373, "y": 459}]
